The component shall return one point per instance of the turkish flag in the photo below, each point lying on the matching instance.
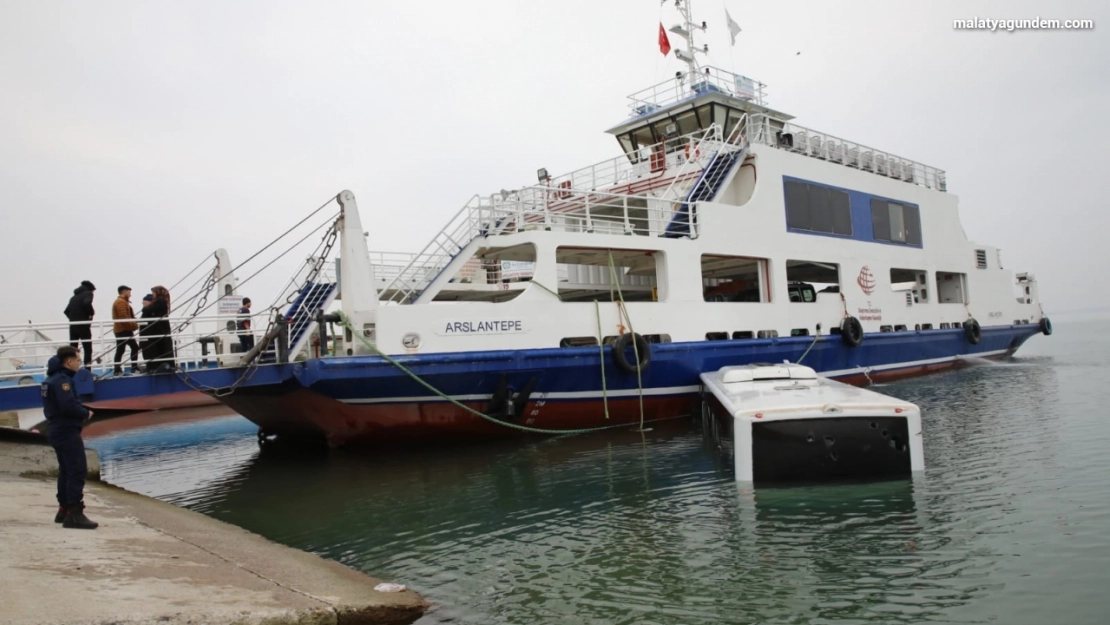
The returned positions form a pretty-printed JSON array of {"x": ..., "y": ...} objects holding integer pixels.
[{"x": 664, "y": 43}]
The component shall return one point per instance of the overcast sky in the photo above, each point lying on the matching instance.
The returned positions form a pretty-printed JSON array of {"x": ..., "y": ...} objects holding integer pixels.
[{"x": 137, "y": 137}]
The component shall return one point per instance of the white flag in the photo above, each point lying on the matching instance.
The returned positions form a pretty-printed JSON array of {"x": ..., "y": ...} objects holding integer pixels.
[{"x": 733, "y": 27}]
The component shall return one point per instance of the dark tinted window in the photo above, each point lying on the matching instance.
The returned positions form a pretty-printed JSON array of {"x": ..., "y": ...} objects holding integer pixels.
[
  {"x": 913, "y": 224},
  {"x": 884, "y": 228},
  {"x": 841, "y": 213},
  {"x": 880, "y": 219},
  {"x": 817, "y": 209},
  {"x": 797, "y": 205}
]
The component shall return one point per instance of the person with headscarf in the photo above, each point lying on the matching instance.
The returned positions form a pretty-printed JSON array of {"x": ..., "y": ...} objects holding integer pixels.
[{"x": 160, "y": 353}]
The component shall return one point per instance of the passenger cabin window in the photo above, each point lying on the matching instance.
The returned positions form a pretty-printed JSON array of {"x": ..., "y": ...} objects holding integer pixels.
[
  {"x": 807, "y": 280},
  {"x": 734, "y": 279},
  {"x": 913, "y": 282},
  {"x": 816, "y": 208},
  {"x": 895, "y": 223},
  {"x": 494, "y": 274},
  {"x": 585, "y": 274},
  {"x": 951, "y": 287}
]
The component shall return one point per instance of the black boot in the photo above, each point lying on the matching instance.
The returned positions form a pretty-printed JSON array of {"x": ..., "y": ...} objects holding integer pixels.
[
  {"x": 76, "y": 519},
  {"x": 61, "y": 515}
]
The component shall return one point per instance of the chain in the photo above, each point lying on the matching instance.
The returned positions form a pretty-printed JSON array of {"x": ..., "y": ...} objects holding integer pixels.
[{"x": 202, "y": 301}]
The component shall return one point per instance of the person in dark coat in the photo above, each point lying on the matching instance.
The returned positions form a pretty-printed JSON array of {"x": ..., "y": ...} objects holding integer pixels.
[
  {"x": 66, "y": 416},
  {"x": 80, "y": 313},
  {"x": 144, "y": 329},
  {"x": 161, "y": 354},
  {"x": 243, "y": 326}
]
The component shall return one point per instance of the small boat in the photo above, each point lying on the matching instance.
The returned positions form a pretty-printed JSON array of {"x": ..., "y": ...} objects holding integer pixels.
[{"x": 789, "y": 424}]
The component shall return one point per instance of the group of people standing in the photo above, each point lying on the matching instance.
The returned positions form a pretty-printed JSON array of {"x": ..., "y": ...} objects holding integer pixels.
[{"x": 152, "y": 328}]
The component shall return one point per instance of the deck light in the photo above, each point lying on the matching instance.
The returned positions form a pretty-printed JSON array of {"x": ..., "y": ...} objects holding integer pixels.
[{"x": 541, "y": 173}]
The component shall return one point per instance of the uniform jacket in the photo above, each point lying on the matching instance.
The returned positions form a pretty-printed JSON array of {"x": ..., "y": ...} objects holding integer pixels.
[
  {"x": 59, "y": 397},
  {"x": 121, "y": 310},
  {"x": 244, "y": 322}
]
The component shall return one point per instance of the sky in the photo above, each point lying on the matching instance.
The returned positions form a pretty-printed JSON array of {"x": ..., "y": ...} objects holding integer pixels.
[{"x": 138, "y": 137}]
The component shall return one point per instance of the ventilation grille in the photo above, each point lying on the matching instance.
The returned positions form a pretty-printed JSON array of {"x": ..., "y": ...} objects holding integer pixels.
[{"x": 981, "y": 259}]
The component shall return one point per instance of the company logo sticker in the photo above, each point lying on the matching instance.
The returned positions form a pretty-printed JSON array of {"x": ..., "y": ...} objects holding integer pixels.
[{"x": 866, "y": 280}]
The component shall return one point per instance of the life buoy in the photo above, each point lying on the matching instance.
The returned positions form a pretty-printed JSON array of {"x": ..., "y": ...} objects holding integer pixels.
[
  {"x": 972, "y": 332},
  {"x": 851, "y": 331},
  {"x": 620, "y": 352},
  {"x": 695, "y": 151},
  {"x": 1046, "y": 326}
]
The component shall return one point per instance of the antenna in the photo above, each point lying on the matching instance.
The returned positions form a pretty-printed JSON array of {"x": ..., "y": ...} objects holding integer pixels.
[{"x": 686, "y": 31}]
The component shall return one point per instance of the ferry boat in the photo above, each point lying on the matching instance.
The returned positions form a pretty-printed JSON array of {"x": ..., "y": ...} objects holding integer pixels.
[{"x": 722, "y": 233}]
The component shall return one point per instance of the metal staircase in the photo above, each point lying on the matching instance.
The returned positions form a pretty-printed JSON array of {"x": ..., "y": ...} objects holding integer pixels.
[
  {"x": 708, "y": 185},
  {"x": 301, "y": 317}
]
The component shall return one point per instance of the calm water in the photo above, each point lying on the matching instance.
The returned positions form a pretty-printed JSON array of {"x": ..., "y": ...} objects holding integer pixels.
[{"x": 1010, "y": 524}]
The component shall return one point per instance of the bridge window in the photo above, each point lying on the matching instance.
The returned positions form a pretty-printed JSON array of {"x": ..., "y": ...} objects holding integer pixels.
[
  {"x": 734, "y": 279},
  {"x": 816, "y": 208},
  {"x": 895, "y": 223}
]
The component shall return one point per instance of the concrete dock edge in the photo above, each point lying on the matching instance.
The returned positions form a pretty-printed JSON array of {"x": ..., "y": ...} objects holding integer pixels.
[{"x": 153, "y": 562}]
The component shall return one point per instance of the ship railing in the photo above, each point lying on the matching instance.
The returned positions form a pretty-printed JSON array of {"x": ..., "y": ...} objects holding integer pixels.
[
  {"x": 633, "y": 165},
  {"x": 448, "y": 242},
  {"x": 768, "y": 130},
  {"x": 563, "y": 203},
  {"x": 26, "y": 349},
  {"x": 560, "y": 209},
  {"x": 692, "y": 84}
]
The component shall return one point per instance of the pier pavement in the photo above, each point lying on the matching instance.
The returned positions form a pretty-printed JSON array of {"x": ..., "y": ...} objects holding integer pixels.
[{"x": 153, "y": 562}]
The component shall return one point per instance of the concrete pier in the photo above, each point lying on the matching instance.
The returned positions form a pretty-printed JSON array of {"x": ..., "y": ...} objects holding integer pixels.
[{"x": 153, "y": 562}]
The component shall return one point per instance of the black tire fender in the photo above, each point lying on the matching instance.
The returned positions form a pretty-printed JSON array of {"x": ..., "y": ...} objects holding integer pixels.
[
  {"x": 851, "y": 331},
  {"x": 1046, "y": 326},
  {"x": 620, "y": 352},
  {"x": 972, "y": 332}
]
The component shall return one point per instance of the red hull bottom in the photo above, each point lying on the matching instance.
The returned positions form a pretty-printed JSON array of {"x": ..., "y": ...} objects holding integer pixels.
[
  {"x": 303, "y": 414},
  {"x": 148, "y": 403}
]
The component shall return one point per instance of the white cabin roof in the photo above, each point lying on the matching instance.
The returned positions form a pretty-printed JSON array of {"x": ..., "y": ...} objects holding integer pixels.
[{"x": 791, "y": 391}]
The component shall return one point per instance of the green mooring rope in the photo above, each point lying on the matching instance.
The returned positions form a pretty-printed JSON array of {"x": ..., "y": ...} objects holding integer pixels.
[
  {"x": 635, "y": 350},
  {"x": 422, "y": 382}
]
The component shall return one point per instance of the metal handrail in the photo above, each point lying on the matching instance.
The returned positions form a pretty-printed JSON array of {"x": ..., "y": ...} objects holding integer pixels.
[
  {"x": 779, "y": 133},
  {"x": 189, "y": 343}
]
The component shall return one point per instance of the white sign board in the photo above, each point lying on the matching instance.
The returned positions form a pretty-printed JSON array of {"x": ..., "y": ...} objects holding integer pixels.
[{"x": 229, "y": 305}]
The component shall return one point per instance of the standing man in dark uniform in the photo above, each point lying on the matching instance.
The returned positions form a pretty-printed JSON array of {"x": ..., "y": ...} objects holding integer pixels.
[
  {"x": 80, "y": 313},
  {"x": 66, "y": 416},
  {"x": 246, "y": 335}
]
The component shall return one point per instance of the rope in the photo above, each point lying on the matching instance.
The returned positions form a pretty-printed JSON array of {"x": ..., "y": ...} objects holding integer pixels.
[
  {"x": 542, "y": 286},
  {"x": 523, "y": 428},
  {"x": 806, "y": 353},
  {"x": 635, "y": 350},
  {"x": 601, "y": 358}
]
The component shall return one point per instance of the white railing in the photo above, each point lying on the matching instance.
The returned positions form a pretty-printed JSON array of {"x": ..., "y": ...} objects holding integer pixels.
[
  {"x": 26, "y": 349},
  {"x": 692, "y": 84},
  {"x": 784, "y": 135},
  {"x": 631, "y": 166}
]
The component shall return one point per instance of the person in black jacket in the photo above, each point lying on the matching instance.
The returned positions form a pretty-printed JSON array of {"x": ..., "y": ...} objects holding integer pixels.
[
  {"x": 160, "y": 354},
  {"x": 66, "y": 416},
  {"x": 80, "y": 313}
]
